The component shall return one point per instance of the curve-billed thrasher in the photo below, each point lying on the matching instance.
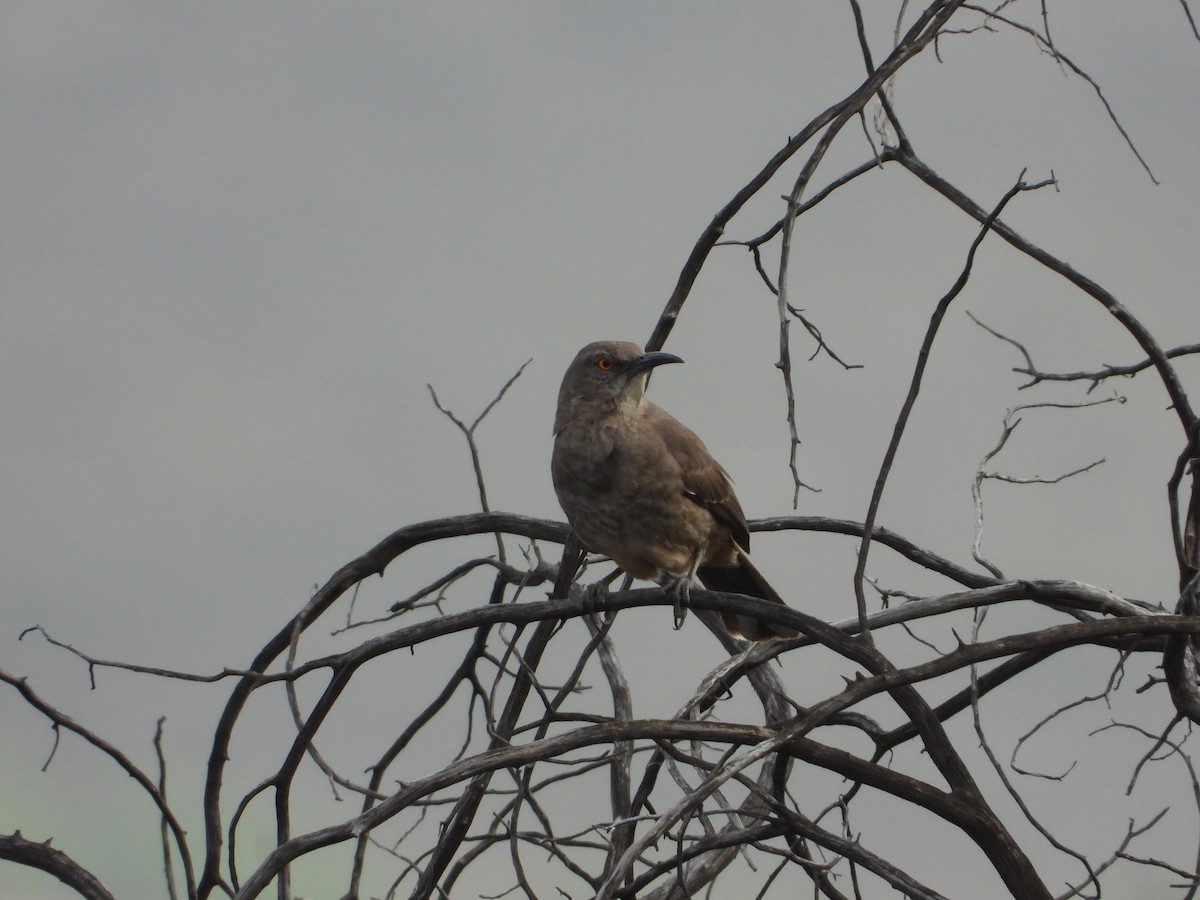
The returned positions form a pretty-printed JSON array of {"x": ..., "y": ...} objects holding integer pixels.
[{"x": 639, "y": 486}]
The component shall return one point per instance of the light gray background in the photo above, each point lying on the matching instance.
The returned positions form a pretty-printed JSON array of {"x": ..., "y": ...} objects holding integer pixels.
[{"x": 238, "y": 240}]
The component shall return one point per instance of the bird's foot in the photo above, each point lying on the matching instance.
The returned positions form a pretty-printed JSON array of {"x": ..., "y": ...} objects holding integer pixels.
[
  {"x": 594, "y": 596},
  {"x": 680, "y": 589}
]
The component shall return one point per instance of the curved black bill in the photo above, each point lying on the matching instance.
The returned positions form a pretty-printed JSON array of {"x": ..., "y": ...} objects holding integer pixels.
[{"x": 650, "y": 360}]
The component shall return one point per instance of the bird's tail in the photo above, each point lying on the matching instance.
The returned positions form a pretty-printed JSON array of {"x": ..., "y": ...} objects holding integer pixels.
[{"x": 744, "y": 578}]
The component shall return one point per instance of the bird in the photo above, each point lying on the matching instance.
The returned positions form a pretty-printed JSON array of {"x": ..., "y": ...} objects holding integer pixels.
[{"x": 639, "y": 486}]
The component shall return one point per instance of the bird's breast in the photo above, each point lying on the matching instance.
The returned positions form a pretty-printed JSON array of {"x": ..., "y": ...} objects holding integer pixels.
[{"x": 623, "y": 493}]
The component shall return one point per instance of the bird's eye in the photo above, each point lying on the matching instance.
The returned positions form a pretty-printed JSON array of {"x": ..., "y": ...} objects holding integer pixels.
[{"x": 604, "y": 364}]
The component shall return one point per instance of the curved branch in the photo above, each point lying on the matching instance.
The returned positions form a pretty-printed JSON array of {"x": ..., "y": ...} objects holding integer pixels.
[
  {"x": 910, "y": 399},
  {"x": 977, "y": 822},
  {"x": 61, "y": 720},
  {"x": 373, "y": 562},
  {"x": 929, "y": 23},
  {"x": 1131, "y": 323},
  {"x": 15, "y": 848}
]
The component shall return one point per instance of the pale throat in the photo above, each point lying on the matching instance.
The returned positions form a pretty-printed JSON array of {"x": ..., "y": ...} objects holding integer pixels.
[{"x": 630, "y": 401}]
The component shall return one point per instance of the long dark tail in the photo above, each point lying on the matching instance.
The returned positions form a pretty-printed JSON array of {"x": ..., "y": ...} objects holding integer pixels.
[{"x": 744, "y": 578}]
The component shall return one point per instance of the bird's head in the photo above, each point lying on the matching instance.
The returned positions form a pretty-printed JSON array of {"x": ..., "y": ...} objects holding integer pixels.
[{"x": 606, "y": 374}]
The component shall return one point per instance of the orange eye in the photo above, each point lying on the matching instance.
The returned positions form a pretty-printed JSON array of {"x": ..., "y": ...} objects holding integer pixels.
[{"x": 604, "y": 364}]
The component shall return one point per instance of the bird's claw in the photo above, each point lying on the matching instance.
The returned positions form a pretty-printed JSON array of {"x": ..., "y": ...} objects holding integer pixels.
[
  {"x": 594, "y": 596},
  {"x": 680, "y": 591}
]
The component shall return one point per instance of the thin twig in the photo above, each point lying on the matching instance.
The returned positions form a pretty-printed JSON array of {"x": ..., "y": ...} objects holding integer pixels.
[
  {"x": 911, "y": 398},
  {"x": 469, "y": 433}
]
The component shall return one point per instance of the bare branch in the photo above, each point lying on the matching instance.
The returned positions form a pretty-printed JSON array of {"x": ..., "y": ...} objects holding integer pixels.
[
  {"x": 911, "y": 398},
  {"x": 1044, "y": 43},
  {"x": 469, "y": 433},
  {"x": 920, "y": 34},
  {"x": 1191, "y": 20},
  {"x": 15, "y": 848},
  {"x": 61, "y": 721},
  {"x": 1096, "y": 376}
]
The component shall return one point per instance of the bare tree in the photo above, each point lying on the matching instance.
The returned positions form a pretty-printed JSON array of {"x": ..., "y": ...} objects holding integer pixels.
[{"x": 555, "y": 788}]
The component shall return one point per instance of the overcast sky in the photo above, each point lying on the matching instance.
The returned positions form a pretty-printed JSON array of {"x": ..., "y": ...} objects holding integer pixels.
[{"x": 239, "y": 239}]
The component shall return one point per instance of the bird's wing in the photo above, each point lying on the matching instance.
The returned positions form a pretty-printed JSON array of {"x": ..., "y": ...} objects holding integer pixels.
[{"x": 704, "y": 480}]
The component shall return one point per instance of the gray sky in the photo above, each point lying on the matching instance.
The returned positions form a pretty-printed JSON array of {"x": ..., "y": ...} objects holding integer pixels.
[{"x": 240, "y": 239}]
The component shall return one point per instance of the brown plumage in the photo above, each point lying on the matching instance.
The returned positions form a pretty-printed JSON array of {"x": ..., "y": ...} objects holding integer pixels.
[{"x": 639, "y": 486}]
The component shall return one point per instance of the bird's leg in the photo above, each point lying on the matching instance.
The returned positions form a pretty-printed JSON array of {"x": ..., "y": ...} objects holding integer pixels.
[
  {"x": 596, "y": 592},
  {"x": 680, "y": 588}
]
